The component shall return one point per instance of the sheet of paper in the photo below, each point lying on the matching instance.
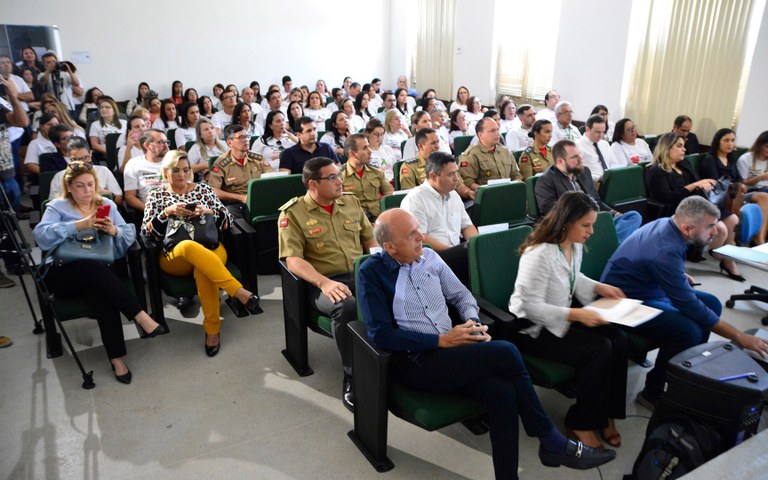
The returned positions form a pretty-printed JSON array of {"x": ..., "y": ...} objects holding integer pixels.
[
  {"x": 743, "y": 253},
  {"x": 499, "y": 181},
  {"x": 625, "y": 311},
  {"x": 496, "y": 227},
  {"x": 274, "y": 174}
]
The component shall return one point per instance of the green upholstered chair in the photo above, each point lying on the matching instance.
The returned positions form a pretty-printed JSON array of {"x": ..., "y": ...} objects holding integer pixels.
[
  {"x": 189, "y": 145},
  {"x": 265, "y": 197},
  {"x": 530, "y": 195},
  {"x": 44, "y": 184},
  {"x": 396, "y": 172},
  {"x": 402, "y": 148},
  {"x": 694, "y": 160},
  {"x": 460, "y": 144},
  {"x": 253, "y": 139},
  {"x": 517, "y": 154},
  {"x": 111, "y": 146},
  {"x": 651, "y": 141},
  {"x": 501, "y": 203},
  {"x": 492, "y": 278},
  {"x": 210, "y": 161},
  {"x": 376, "y": 395},
  {"x": 171, "y": 135},
  {"x": 239, "y": 264},
  {"x": 623, "y": 189},
  {"x": 391, "y": 201}
]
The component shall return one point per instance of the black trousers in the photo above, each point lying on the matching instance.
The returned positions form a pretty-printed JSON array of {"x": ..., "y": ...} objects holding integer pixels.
[
  {"x": 103, "y": 289},
  {"x": 599, "y": 355},
  {"x": 341, "y": 314}
]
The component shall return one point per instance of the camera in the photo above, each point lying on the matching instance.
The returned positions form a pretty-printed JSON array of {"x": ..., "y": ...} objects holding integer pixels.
[{"x": 61, "y": 67}]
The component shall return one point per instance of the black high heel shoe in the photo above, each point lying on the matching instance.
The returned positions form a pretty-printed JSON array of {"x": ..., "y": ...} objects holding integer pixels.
[
  {"x": 126, "y": 379},
  {"x": 242, "y": 310},
  {"x": 211, "y": 351},
  {"x": 732, "y": 276},
  {"x": 159, "y": 330},
  {"x": 252, "y": 305}
]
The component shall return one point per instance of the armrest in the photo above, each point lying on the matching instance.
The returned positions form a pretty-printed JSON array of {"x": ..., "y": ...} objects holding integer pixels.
[
  {"x": 294, "y": 295},
  {"x": 133, "y": 256},
  {"x": 360, "y": 336},
  {"x": 247, "y": 252},
  {"x": 502, "y": 318}
]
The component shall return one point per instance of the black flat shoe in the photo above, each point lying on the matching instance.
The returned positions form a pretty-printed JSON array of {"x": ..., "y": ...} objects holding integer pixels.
[
  {"x": 347, "y": 395},
  {"x": 730, "y": 275},
  {"x": 252, "y": 305},
  {"x": 126, "y": 379},
  {"x": 237, "y": 308},
  {"x": 577, "y": 456},
  {"x": 211, "y": 351}
]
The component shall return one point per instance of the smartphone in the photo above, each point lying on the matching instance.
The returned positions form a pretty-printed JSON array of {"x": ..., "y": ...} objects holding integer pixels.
[
  {"x": 102, "y": 211},
  {"x": 191, "y": 207}
]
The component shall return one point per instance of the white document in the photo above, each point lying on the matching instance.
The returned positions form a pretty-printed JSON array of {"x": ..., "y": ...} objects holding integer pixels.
[
  {"x": 623, "y": 311},
  {"x": 275, "y": 174},
  {"x": 496, "y": 227},
  {"x": 498, "y": 181}
]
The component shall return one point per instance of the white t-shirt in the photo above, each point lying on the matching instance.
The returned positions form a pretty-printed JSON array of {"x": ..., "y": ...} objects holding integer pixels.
[
  {"x": 21, "y": 87},
  {"x": 135, "y": 152},
  {"x": 319, "y": 117},
  {"x": 271, "y": 150},
  {"x": 184, "y": 135},
  {"x": 141, "y": 175},
  {"x": 37, "y": 147},
  {"x": 624, "y": 152},
  {"x": 220, "y": 120},
  {"x": 356, "y": 124},
  {"x": 746, "y": 169},
  {"x": 195, "y": 156},
  {"x": 393, "y": 141},
  {"x": 457, "y": 106},
  {"x": 518, "y": 139},
  {"x": 546, "y": 114},
  {"x": 384, "y": 159},
  {"x": 440, "y": 217},
  {"x": 158, "y": 124},
  {"x": 331, "y": 140},
  {"x": 101, "y": 132},
  {"x": 107, "y": 182},
  {"x": 473, "y": 118}
]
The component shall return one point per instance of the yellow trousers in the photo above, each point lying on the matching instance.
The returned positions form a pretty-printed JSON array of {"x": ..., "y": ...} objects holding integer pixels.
[{"x": 207, "y": 266}]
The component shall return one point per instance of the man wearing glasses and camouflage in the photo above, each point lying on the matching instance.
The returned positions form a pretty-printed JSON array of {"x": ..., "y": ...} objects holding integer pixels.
[
  {"x": 231, "y": 172},
  {"x": 320, "y": 236}
]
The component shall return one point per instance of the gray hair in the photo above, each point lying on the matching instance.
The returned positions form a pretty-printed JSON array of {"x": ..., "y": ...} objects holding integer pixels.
[
  {"x": 560, "y": 105},
  {"x": 693, "y": 209},
  {"x": 382, "y": 232},
  {"x": 146, "y": 137},
  {"x": 75, "y": 143},
  {"x": 436, "y": 161}
]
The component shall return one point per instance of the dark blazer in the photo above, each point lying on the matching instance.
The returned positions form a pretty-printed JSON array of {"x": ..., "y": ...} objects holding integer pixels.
[
  {"x": 712, "y": 167},
  {"x": 669, "y": 187},
  {"x": 52, "y": 162},
  {"x": 553, "y": 183}
]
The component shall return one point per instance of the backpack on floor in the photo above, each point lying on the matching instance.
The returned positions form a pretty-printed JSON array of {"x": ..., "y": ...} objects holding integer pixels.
[{"x": 673, "y": 448}]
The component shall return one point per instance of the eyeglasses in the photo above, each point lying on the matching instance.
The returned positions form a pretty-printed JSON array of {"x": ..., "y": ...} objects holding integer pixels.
[
  {"x": 76, "y": 166},
  {"x": 81, "y": 159},
  {"x": 331, "y": 178},
  {"x": 240, "y": 137},
  {"x": 167, "y": 142}
]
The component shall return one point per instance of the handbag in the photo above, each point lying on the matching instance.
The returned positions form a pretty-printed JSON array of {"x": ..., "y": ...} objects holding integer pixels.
[
  {"x": 202, "y": 230},
  {"x": 719, "y": 193},
  {"x": 86, "y": 244}
]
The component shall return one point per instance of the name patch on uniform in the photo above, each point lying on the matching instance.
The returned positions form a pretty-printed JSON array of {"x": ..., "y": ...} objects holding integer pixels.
[
  {"x": 284, "y": 222},
  {"x": 231, "y": 179},
  {"x": 464, "y": 164},
  {"x": 348, "y": 188},
  {"x": 216, "y": 169},
  {"x": 316, "y": 230}
]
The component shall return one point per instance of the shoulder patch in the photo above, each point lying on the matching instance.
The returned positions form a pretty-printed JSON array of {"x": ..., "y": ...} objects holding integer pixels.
[
  {"x": 289, "y": 204},
  {"x": 404, "y": 170},
  {"x": 523, "y": 158},
  {"x": 464, "y": 163},
  {"x": 349, "y": 193},
  {"x": 254, "y": 156},
  {"x": 284, "y": 222},
  {"x": 216, "y": 169},
  {"x": 223, "y": 162}
]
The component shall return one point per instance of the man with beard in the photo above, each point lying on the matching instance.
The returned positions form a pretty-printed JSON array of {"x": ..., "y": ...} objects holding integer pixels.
[
  {"x": 569, "y": 174},
  {"x": 660, "y": 281}
]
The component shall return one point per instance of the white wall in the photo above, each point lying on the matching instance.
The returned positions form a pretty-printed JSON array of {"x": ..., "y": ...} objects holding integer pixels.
[
  {"x": 475, "y": 52},
  {"x": 753, "y": 118},
  {"x": 210, "y": 42}
]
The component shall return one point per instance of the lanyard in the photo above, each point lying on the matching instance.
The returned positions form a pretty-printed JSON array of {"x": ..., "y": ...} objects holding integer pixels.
[{"x": 571, "y": 271}]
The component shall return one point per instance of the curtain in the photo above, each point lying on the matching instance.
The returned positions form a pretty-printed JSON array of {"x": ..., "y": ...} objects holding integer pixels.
[
  {"x": 434, "y": 50},
  {"x": 692, "y": 57},
  {"x": 526, "y": 57}
]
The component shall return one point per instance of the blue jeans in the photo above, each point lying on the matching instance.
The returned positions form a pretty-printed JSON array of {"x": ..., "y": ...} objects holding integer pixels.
[
  {"x": 493, "y": 373},
  {"x": 626, "y": 224},
  {"x": 674, "y": 332},
  {"x": 12, "y": 191}
]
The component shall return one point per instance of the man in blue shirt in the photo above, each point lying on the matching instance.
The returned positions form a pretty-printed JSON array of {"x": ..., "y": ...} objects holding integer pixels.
[
  {"x": 650, "y": 266},
  {"x": 293, "y": 159},
  {"x": 404, "y": 294}
]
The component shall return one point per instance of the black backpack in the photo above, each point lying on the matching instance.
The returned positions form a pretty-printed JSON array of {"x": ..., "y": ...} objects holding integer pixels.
[{"x": 673, "y": 448}]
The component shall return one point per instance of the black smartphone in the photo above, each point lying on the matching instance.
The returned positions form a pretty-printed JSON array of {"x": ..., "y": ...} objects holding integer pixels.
[{"x": 191, "y": 207}]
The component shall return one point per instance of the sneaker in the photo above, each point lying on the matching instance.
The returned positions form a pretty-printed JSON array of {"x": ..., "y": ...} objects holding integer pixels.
[
  {"x": 6, "y": 282},
  {"x": 5, "y": 342},
  {"x": 646, "y": 401}
]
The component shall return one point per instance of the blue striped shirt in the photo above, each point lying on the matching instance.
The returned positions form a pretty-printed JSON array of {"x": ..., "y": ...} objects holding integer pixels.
[{"x": 405, "y": 307}]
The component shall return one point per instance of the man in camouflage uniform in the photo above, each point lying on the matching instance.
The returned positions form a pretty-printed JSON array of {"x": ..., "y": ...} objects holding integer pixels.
[
  {"x": 368, "y": 183},
  {"x": 412, "y": 172},
  {"x": 488, "y": 160}
]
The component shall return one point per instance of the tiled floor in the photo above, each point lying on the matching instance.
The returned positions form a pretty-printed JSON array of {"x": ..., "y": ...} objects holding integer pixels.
[{"x": 243, "y": 414}]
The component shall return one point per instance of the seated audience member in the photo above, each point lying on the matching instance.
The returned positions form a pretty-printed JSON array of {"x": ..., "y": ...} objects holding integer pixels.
[
  {"x": 294, "y": 96},
  {"x": 419, "y": 121},
  {"x": 168, "y": 118},
  {"x": 670, "y": 179},
  {"x": 362, "y": 115},
  {"x": 413, "y": 172},
  {"x": 91, "y": 102},
  {"x": 602, "y": 110},
  {"x": 462, "y": 95},
  {"x": 101, "y": 285},
  {"x": 682, "y": 126},
  {"x": 248, "y": 96},
  {"x": 29, "y": 60},
  {"x": 206, "y": 107},
  {"x": 551, "y": 99},
  {"x": 185, "y": 132},
  {"x": 155, "y": 107},
  {"x": 348, "y": 107},
  {"x": 507, "y": 111},
  {"x": 387, "y": 104},
  {"x": 627, "y": 148},
  {"x": 367, "y": 183},
  {"x": 428, "y": 105},
  {"x": 494, "y": 115},
  {"x": 563, "y": 129},
  {"x": 294, "y": 112},
  {"x": 243, "y": 116},
  {"x": 488, "y": 160},
  {"x": 206, "y": 145},
  {"x": 339, "y": 132},
  {"x": 324, "y": 255},
  {"x": 374, "y": 99},
  {"x": 353, "y": 90},
  {"x": 547, "y": 326},
  {"x": 440, "y": 123},
  {"x": 223, "y": 117},
  {"x": 287, "y": 87},
  {"x": 316, "y": 110},
  {"x": 660, "y": 281},
  {"x": 30, "y": 82},
  {"x": 40, "y": 145},
  {"x": 402, "y": 105},
  {"x": 144, "y": 173},
  {"x": 595, "y": 152},
  {"x": 518, "y": 138},
  {"x": 538, "y": 157},
  {"x": 189, "y": 257},
  {"x": 142, "y": 90},
  {"x": 442, "y": 219},
  {"x": 231, "y": 172},
  {"x": 274, "y": 140},
  {"x": 474, "y": 111},
  {"x": 108, "y": 122},
  {"x": 218, "y": 89},
  {"x": 59, "y": 110},
  {"x": 57, "y": 160},
  {"x": 338, "y": 96},
  {"x": 402, "y": 82},
  {"x": 177, "y": 92},
  {"x": 395, "y": 132},
  {"x": 569, "y": 174},
  {"x": 190, "y": 95},
  {"x": 78, "y": 150},
  {"x": 382, "y": 156},
  {"x": 438, "y": 358},
  {"x": 753, "y": 167},
  {"x": 132, "y": 146},
  {"x": 274, "y": 102},
  {"x": 322, "y": 89},
  {"x": 459, "y": 127},
  {"x": 719, "y": 163},
  {"x": 293, "y": 159}
]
